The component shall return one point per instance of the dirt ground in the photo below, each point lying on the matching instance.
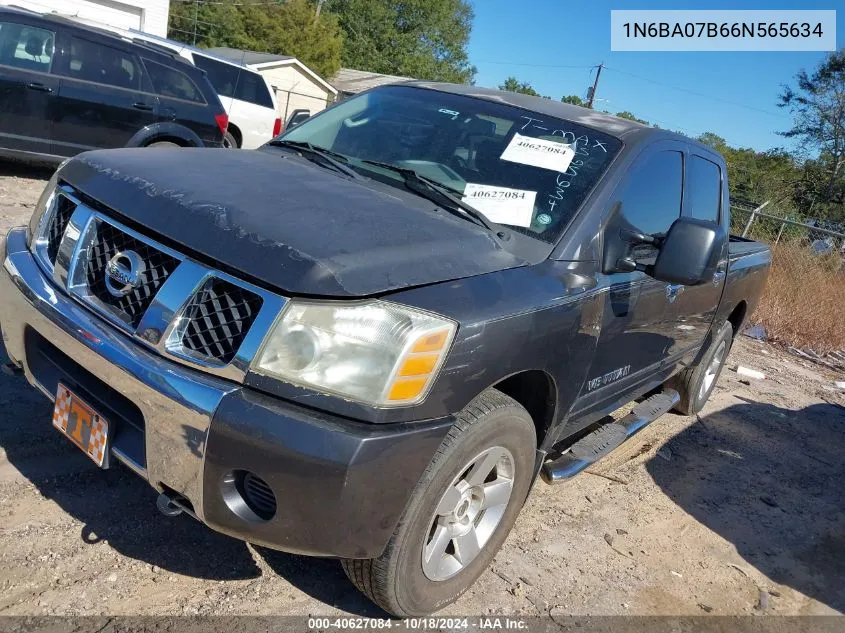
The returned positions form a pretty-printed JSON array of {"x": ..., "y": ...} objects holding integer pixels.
[{"x": 741, "y": 511}]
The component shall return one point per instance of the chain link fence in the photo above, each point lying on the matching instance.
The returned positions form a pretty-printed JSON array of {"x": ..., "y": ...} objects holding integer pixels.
[{"x": 803, "y": 304}]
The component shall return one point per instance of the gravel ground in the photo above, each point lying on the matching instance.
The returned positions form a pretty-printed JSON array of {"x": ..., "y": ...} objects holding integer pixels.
[{"x": 740, "y": 511}]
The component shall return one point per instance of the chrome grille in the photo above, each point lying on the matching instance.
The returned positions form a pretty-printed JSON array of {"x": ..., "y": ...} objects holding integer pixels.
[
  {"x": 218, "y": 318},
  {"x": 58, "y": 223},
  {"x": 109, "y": 242},
  {"x": 169, "y": 303}
]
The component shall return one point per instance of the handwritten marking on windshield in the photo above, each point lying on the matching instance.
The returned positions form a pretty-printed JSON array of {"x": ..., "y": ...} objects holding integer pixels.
[{"x": 528, "y": 122}]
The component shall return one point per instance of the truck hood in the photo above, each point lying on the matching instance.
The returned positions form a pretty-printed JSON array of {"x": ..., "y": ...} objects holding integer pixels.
[{"x": 285, "y": 222}]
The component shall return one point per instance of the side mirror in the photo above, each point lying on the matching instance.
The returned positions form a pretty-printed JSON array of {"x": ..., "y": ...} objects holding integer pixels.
[
  {"x": 690, "y": 252},
  {"x": 297, "y": 117}
]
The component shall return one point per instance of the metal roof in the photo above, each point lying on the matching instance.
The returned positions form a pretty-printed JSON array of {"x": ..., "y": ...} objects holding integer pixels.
[{"x": 353, "y": 81}]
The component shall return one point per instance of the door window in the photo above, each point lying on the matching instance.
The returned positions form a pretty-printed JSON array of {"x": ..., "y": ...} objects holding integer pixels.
[
  {"x": 102, "y": 64},
  {"x": 169, "y": 82},
  {"x": 704, "y": 192},
  {"x": 26, "y": 47},
  {"x": 651, "y": 198}
]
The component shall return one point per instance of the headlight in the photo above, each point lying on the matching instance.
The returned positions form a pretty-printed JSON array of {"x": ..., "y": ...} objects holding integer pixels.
[
  {"x": 38, "y": 221},
  {"x": 375, "y": 352}
]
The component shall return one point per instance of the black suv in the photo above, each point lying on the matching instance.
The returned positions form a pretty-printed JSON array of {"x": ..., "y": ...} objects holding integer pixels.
[{"x": 66, "y": 88}]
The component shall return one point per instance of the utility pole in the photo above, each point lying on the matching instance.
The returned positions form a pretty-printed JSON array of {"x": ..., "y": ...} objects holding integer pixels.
[
  {"x": 592, "y": 92},
  {"x": 196, "y": 19}
]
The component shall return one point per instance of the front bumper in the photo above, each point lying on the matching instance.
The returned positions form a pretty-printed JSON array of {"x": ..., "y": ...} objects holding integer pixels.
[{"x": 340, "y": 486}]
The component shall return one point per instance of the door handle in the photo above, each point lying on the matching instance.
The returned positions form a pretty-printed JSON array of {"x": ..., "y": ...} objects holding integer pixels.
[
  {"x": 672, "y": 292},
  {"x": 39, "y": 87},
  {"x": 139, "y": 105},
  {"x": 718, "y": 276}
]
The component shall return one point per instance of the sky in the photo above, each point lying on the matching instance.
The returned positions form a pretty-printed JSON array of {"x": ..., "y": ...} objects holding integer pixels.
[{"x": 552, "y": 44}]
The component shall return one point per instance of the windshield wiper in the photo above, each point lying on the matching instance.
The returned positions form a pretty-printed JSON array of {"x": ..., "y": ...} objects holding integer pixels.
[
  {"x": 334, "y": 159},
  {"x": 425, "y": 186}
]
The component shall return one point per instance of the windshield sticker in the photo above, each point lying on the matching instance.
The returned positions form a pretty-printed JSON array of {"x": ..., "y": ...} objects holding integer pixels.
[
  {"x": 539, "y": 152},
  {"x": 500, "y": 204},
  {"x": 544, "y": 218}
]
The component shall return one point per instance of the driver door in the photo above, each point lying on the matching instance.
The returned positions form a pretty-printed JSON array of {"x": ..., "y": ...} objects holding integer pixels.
[{"x": 638, "y": 332}]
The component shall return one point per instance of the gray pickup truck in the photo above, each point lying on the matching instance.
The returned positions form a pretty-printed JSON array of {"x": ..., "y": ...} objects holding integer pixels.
[{"x": 367, "y": 339}]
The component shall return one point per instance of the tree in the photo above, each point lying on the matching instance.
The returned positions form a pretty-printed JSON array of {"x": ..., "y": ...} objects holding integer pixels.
[
  {"x": 294, "y": 29},
  {"x": 759, "y": 176},
  {"x": 817, "y": 103},
  {"x": 424, "y": 39},
  {"x": 512, "y": 84},
  {"x": 573, "y": 99},
  {"x": 631, "y": 117},
  {"x": 289, "y": 28},
  {"x": 714, "y": 140}
]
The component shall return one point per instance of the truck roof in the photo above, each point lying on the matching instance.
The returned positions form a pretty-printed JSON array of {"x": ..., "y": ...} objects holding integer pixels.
[{"x": 630, "y": 131}]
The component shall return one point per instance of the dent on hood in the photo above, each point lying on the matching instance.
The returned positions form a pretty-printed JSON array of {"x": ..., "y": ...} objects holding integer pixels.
[{"x": 219, "y": 215}]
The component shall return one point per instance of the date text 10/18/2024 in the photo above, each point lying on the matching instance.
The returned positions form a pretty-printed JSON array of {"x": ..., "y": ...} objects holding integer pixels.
[{"x": 420, "y": 624}]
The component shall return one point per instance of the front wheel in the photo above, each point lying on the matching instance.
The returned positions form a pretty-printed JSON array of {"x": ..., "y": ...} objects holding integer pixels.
[{"x": 459, "y": 514}]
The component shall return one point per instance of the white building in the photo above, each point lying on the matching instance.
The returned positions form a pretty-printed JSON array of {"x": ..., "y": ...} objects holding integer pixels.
[{"x": 145, "y": 15}]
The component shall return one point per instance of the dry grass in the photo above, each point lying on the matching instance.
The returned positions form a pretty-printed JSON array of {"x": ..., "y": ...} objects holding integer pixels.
[{"x": 803, "y": 304}]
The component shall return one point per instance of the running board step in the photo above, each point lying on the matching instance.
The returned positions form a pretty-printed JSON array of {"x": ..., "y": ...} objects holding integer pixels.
[{"x": 591, "y": 448}]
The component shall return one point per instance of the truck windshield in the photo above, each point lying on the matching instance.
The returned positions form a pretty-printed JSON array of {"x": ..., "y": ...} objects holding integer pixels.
[{"x": 522, "y": 169}]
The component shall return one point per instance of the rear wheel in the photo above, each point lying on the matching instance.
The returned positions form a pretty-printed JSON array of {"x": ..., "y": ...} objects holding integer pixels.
[
  {"x": 459, "y": 514},
  {"x": 697, "y": 383},
  {"x": 164, "y": 144},
  {"x": 229, "y": 141}
]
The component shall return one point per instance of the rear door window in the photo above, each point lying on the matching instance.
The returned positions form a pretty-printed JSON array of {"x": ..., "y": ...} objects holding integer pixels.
[
  {"x": 169, "y": 82},
  {"x": 26, "y": 47},
  {"x": 704, "y": 189},
  {"x": 222, "y": 77},
  {"x": 253, "y": 89},
  {"x": 103, "y": 64}
]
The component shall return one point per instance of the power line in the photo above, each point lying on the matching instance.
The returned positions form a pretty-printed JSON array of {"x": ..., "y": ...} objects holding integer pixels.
[
  {"x": 193, "y": 20},
  {"x": 504, "y": 63},
  {"x": 171, "y": 28},
  {"x": 698, "y": 94},
  {"x": 235, "y": 4}
]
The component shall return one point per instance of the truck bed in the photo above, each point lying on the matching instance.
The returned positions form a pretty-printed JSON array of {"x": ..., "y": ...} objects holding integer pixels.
[
  {"x": 741, "y": 246},
  {"x": 748, "y": 267}
]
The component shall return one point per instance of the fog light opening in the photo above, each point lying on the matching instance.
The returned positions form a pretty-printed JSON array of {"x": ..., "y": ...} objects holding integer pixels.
[{"x": 248, "y": 496}]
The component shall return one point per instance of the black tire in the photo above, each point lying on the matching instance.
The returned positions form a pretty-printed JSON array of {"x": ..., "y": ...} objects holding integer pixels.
[
  {"x": 396, "y": 581},
  {"x": 689, "y": 382},
  {"x": 163, "y": 144},
  {"x": 229, "y": 141}
]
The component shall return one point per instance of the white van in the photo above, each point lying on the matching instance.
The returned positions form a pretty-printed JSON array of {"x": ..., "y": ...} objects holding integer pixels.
[
  {"x": 245, "y": 94},
  {"x": 247, "y": 97}
]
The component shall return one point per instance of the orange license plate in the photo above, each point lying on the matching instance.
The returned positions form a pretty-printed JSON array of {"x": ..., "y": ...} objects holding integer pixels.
[{"x": 82, "y": 424}]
